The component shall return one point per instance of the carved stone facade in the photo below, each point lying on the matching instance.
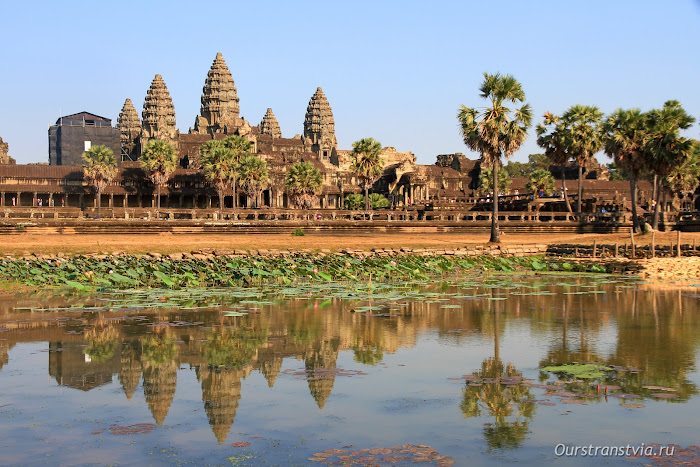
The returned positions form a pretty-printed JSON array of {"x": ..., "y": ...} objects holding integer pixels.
[
  {"x": 269, "y": 125},
  {"x": 319, "y": 128},
  {"x": 158, "y": 114},
  {"x": 129, "y": 126},
  {"x": 4, "y": 156},
  {"x": 220, "y": 109}
]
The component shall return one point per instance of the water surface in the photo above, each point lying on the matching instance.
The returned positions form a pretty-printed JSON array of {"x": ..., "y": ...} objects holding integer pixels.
[{"x": 413, "y": 374}]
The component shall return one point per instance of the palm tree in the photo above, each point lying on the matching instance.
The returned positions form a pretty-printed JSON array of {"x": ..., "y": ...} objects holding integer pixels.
[
  {"x": 99, "y": 169},
  {"x": 219, "y": 167},
  {"x": 665, "y": 148},
  {"x": 240, "y": 148},
  {"x": 540, "y": 180},
  {"x": 159, "y": 160},
  {"x": 551, "y": 136},
  {"x": 366, "y": 163},
  {"x": 497, "y": 130},
  {"x": 253, "y": 176},
  {"x": 585, "y": 138},
  {"x": 303, "y": 182},
  {"x": 684, "y": 178},
  {"x": 486, "y": 180},
  {"x": 624, "y": 138}
]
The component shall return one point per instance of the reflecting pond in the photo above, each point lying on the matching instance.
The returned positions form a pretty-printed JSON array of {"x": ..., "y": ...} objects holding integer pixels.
[{"x": 421, "y": 373}]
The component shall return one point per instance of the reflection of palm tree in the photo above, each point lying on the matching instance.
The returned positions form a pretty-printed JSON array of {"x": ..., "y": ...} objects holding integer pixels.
[
  {"x": 233, "y": 348},
  {"x": 499, "y": 400},
  {"x": 499, "y": 394}
]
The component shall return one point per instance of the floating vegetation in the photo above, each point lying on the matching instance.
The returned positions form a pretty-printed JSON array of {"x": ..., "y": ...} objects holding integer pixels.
[
  {"x": 87, "y": 273},
  {"x": 407, "y": 453},
  {"x": 581, "y": 371},
  {"x": 317, "y": 374},
  {"x": 130, "y": 430}
]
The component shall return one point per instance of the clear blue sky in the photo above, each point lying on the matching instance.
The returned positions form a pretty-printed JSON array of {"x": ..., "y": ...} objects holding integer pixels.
[{"x": 395, "y": 70}]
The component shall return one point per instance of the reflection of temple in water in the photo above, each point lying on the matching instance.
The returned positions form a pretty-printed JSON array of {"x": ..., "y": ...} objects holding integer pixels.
[
  {"x": 320, "y": 362},
  {"x": 72, "y": 367},
  {"x": 87, "y": 351},
  {"x": 221, "y": 391}
]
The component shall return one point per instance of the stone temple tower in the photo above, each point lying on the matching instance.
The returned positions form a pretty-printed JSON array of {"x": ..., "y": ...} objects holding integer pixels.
[
  {"x": 129, "y": 126},
  {"x": 158, "y": 114},
  {"x": 220, "y": 110},
  {"x": 319, "y": 129},
  {"x": 269, "y": 125}
]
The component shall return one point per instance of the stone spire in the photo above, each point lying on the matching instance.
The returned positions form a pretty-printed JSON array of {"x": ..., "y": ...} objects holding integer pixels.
[
  {"x": 129, "y": 127},
  {"x": 219, "y": 112},
  {"x": 158, "y": 114},
  {"x": 319, "y": 128},
  {"x": 269, "y": 125}
]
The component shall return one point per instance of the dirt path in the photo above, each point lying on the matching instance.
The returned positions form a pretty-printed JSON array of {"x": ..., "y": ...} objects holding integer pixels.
[{"x": 171, "y": 243}]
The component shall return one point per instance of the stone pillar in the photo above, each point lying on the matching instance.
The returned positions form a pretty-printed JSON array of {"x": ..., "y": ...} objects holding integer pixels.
[
  {"x": 34, "y": 199},
  {"x": 111, "y": 200},
  {"x": 182, "y": 200},
  {"x": 2, "y": 200},
  {"x": 208, "y": 202},
  {"x": 50, "y": 199},
  {"x": 126, "y": 201},
  {"x": 80, "y": 200}
]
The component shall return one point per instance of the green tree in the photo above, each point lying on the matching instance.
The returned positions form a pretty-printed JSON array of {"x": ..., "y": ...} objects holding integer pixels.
[
  {"x": 496, "y": 131},
  {"x": 552, "y": 137},
  {"x": 486, "y": 180},
  {"x": 99, "y": 168},
  {"x": 584, "y": 138},
  {"x": 378, "y": 200},
  {"x": 540, "y": 180},
  {"x": 525, "y": 169},
  {"x": 624, "y": 139},
  {"x": 254, "y": 175},
  {"x": 367, "y": 163},
  {"x": 303, "y": 182},
  {"x": 219, "y": 166},
  {"x": 665, "y": 147},
  {"x": 159, "y": 160},
  {"x": 684, "y": 178},
  {"x": 354, "y": 202},
  {"x": 241, "y": 148}
]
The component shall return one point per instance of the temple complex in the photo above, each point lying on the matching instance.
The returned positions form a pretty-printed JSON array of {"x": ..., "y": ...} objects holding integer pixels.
[{"x": 451, "y": 182}]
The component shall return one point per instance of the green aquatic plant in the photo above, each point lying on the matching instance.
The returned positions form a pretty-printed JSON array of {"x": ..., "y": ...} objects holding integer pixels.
[{"x": 580, "y": 371}]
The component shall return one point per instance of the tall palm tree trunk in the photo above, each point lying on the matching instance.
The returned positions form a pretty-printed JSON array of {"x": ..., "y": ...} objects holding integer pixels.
[
  {"x": 366, "y": 197},
  {"x": 221, "y": 200},
  {"x": 633, "y": 193},
  {"x": 580, "y": 188},
  {"x": 564, "y": 190},
  {"x": 495, "y": 234},
  {"x": 655, "y": 218},
  {"x": 235, "y": 195},
  {"x": 99, "y": 204},
  {"x": 159, "y": 196}
]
